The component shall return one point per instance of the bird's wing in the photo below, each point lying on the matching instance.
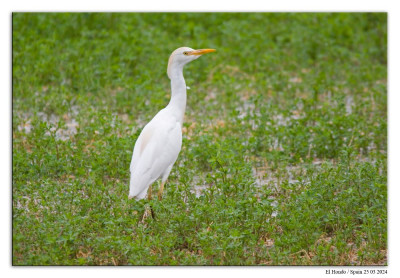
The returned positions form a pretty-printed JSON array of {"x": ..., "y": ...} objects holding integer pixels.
[
  {"x": 143, "y": 140},
  {"x": 156, "y": 149},
  {"x": 135, "y": 154}
]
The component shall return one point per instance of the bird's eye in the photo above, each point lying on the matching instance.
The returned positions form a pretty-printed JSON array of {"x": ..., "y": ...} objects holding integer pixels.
[{"x": 185, "y": 53}]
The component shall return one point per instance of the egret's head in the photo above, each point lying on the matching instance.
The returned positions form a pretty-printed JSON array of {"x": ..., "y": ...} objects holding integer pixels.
[{"x": 184, "y": 55}]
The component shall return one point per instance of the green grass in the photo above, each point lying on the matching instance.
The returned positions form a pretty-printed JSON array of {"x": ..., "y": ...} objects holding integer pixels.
[{"x": 284, "y": 157}]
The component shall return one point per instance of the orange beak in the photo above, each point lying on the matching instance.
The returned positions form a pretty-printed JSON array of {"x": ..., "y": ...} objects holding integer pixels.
[{"x": 201, "y": 51}]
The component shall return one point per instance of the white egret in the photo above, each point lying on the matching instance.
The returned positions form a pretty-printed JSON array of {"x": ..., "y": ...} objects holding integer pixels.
[{"x": 160, "y": 141}]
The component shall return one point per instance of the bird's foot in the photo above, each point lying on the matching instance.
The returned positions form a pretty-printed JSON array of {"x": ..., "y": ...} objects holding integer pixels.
[{"x": 148, "y": 212}]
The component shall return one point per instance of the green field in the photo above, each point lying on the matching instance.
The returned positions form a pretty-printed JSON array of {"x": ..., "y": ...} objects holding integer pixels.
[{"x": 284, "y": 156}]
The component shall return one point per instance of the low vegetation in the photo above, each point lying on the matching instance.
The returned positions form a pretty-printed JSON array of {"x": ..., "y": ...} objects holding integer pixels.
[{"x": 284, "y": 158}]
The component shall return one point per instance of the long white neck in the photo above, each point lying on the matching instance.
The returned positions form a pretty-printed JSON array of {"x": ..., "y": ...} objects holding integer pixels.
[{"x": 177, "y": 104}]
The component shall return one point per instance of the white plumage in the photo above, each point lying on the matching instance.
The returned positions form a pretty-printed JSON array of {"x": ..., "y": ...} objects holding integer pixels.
[{"x": 160, "y": 141}]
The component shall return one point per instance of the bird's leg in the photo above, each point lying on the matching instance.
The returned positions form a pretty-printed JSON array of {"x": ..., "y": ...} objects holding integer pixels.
[
  {"x": 161, "y": 190},
  {"x": 150, "y": 197},
  {"x": 149, "y": 193}
]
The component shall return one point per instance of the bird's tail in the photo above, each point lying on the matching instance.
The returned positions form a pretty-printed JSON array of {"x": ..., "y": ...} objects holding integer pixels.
[{"x": 139, "y": 185}]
